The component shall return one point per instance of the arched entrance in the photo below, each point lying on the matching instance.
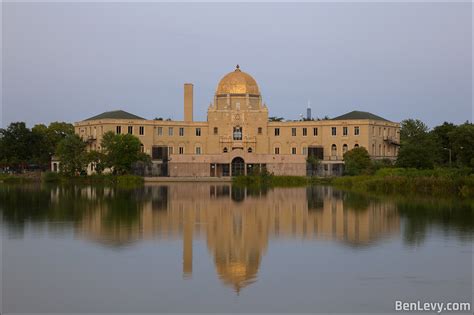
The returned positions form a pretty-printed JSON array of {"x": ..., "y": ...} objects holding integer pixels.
[{"x": 238, "y": 166}]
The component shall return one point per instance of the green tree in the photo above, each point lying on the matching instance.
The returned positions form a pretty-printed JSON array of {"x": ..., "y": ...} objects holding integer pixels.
[
  {"x": 417, "y": 147},
  {"x": 313, "y": 163},
  {"x": 121, "y": 151},
  {"x": 16, "y": 144},
  {"x": 46, "y": 139},
  {"x": 357, "y": 161},
  {"x": 98, "y": 159},
  {"x": 442, "y": 142},
  {"x": 71, "y": 151},
  {"x": 462, "y": 143}
]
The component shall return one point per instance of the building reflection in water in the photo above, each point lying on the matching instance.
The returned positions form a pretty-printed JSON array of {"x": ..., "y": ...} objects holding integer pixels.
[{"x": 237, "y": 223}]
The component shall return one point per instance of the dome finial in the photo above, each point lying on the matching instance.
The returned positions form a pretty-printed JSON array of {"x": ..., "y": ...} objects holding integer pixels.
[{"x": 237, "y": 67}]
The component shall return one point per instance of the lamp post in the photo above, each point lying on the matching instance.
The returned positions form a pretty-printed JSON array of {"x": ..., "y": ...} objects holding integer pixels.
[{"x": 449, "y": 155}]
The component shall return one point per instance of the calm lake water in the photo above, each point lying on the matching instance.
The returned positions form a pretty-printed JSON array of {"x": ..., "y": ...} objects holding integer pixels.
[{"x": 195, "y": 247}]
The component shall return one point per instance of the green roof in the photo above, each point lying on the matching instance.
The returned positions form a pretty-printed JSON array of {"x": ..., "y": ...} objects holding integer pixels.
[
  {"x": 115, "y": 114},
  {"x": 359, "y": 115}
]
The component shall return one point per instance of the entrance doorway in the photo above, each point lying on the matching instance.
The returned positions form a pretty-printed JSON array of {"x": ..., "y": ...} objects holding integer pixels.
[{"x": 238, "y": 166}]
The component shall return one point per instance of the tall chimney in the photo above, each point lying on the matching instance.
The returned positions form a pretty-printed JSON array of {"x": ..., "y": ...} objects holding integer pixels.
[
  {"x": 188, "y": 102},
  {"x": 308, "y": 112}
]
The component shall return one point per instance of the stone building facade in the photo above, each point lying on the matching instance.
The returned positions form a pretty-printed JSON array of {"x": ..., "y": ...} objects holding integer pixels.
[{"x": 238, "y": 137}]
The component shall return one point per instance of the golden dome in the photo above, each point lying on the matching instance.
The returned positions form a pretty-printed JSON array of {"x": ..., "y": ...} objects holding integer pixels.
[{"x": 237, "y": 82}]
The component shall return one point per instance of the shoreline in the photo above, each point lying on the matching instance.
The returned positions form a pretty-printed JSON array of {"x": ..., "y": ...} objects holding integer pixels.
[{"x": 394, "y": 182}]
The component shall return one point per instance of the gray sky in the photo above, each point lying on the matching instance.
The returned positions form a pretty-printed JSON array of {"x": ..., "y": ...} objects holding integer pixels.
[{"x": 68, "y": 62}]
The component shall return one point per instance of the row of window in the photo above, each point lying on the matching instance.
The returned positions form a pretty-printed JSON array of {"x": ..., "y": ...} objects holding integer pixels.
[
  {"x": 304, "y": 150},
  {"x": 141, "y": 130},
  {"x": 293, "y": 150},
  {"x": 237, "y": 132},
  {"x": 390, "y": 132},
  {"x": 293, "y": 131},
  {"x": 345, "y": 131}
]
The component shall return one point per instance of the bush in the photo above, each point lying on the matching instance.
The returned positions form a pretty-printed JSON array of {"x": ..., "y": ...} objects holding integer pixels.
[
  {"x": 409, "y": 180},
  {"x": 51, "y": 177},
  {"x": 357, "y": 162}
]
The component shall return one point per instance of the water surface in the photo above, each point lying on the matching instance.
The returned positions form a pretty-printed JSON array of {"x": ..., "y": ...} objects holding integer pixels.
[{"x": 194, "y": 247}]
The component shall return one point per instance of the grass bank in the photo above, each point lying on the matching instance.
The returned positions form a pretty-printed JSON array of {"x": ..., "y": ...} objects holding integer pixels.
[
  {"x": 268, "y": 181},
  {"x": 122, "y": 180},
  {"x": 17, "y": 179},
  {"x": 437, "y": 182}
]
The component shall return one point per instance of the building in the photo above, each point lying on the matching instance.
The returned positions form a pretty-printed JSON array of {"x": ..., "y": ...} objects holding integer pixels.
[{"x": 238, "y": 137}]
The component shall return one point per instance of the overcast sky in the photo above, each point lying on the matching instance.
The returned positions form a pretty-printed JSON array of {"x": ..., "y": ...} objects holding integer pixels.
[{"x": 67, "y": 62}]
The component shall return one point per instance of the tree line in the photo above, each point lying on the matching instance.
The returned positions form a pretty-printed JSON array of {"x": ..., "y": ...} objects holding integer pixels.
[{"x": 22, "y": 148}]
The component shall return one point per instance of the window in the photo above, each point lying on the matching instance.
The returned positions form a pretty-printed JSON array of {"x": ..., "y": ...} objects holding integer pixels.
[
  {"x": 380, "y": 131},
  {"x": 198, "y": 132},
  {"x": 293, "y": 150},
  {"x": 304, "y": 150},
  {"x": 181, "y": 150},
  {"x": 356, "y": 145},
  {"x": 159, "y": 131},
  {"x": 293, "y": 132},
  {"x": 181, "y": 132},
  {"x": 344, "y": 148},
  {"x": 249, "y": 150},
  {"x": 344, "y": 131},
  {"x": 237, "y": 134},
  {"x": 170, "y": 150},
  {"x": 259, "y": 130},
  {"x": 277, "y": 150},
  {"x": 305, "y": 132},
  {"x": 141, "y": 130},
  {"x": 356, "y": 131},
  {"x": 277, "y": 131},
  {"x": 333, "y": 150},
  {"x": 315, "y": 131},
  {"x": 225, "y": 150},
  {"x": 142, "y": 148},
  {"x": 170, "y": 131},
  {"x": 198, "y": 150},
  {"x": 130, "y": 129},
  {"x": 216, "y": 130},
  {"x": 118, "y": 130},
  {"x": 333, "y": 131}
]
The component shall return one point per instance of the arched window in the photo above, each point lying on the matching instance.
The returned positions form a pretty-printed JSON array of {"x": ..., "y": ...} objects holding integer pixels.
[
  {"x": 142, "y": 148},
  {"x": 333, "y": 150},
  {"x": 356, "y": 145},
  {"x": 238, "y": 166},
  {"x": 344, "y": 148},
  {"x": 225, "y": 150},
  {"x": 249, "y": 150}
]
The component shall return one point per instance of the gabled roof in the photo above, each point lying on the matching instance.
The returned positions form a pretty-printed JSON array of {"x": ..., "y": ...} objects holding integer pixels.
[
  {"x": 115, "y": 114},
  {"x": 359, "y": 115}
]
